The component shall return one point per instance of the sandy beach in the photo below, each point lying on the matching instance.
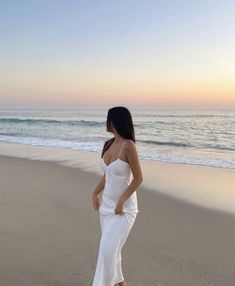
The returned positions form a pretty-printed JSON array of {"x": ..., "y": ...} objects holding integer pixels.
[{"x": 50, "y": 232}]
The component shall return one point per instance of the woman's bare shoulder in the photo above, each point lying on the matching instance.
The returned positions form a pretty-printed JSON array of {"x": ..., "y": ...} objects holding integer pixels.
[
  {"x": 130, "y": 144},
  {"x": 129, "y": 141}
]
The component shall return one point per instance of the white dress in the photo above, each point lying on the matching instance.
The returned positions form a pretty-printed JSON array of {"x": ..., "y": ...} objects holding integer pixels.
[{"x": 114, "y": 227}]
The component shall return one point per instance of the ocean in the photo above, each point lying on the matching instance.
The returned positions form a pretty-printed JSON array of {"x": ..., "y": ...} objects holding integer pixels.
[{"x": 200, "y": 137}]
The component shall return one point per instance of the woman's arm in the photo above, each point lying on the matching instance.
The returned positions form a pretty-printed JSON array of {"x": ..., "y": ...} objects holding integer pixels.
[
  {"x": 134, "y": 163},
  {"x": 100, "y": 186}
]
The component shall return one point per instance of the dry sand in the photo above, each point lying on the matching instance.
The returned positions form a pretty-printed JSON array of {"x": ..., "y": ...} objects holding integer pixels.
[{"x": 49, "y": 233}]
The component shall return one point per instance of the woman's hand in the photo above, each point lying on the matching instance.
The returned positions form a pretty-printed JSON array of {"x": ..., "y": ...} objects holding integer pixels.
[
  {"x": 95, "y": 201},
  {"x": 119, "y": 207}
]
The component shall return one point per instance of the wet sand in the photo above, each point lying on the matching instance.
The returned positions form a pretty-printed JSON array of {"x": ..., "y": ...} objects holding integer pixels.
[{"x": 50, "y": 232}]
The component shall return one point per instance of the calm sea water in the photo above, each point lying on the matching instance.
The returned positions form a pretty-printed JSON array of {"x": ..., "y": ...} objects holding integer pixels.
[{"x": 191, "y": 137}]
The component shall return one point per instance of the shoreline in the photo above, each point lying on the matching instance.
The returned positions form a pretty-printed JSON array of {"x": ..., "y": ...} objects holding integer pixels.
[
  {"x": 50, "y": 232},
  {"x": 207, "y": 187}
]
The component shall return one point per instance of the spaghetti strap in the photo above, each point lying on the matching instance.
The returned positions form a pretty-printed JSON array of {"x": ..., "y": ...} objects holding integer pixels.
[{"x": 121, "y": 149}]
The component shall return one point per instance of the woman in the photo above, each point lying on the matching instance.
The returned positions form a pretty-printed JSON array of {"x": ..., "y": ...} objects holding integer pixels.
[{"x": 118, "y": 208}]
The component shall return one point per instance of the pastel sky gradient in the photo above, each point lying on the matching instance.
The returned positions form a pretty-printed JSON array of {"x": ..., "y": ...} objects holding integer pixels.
[{"x": 75, "y": 54}]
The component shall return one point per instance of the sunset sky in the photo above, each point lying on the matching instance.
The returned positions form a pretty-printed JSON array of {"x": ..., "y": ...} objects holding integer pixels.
[{"x": 78, "y": 54}]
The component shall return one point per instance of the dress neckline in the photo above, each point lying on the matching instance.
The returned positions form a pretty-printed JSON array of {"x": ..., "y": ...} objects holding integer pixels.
[
  {"x": 117, "y": 157},
  {"x": 114, "y": 162}
]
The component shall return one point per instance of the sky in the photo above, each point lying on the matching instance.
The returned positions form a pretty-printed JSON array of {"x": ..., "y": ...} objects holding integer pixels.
[{"x": 89, "y": 54}]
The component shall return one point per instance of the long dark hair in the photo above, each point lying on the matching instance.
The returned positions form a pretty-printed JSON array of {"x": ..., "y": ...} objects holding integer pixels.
[{"x": 122, "y": 121}]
